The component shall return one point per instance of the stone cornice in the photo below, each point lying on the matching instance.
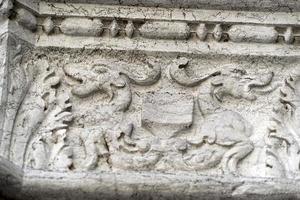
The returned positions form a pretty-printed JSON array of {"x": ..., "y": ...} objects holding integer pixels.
[
  {"x": 128, "y": 27},
  {"x": 169, "y": 14},
  {"x": 184, "y": 30},
  {"x": 170, "y": 47},
  {"x": 143, "y": 185},
  {"x": 253, "y": 5}
]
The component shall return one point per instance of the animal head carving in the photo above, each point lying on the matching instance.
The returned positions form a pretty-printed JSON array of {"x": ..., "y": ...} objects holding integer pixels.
[
  {"x": 238, "y": 84},
  {"x": 101, "y": 77}
]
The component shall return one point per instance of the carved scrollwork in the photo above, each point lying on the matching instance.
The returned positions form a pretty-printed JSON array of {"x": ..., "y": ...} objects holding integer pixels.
[
  {"x": 177, "y": 131},
  {"x": 283, "y": 138},
  {"x": 39, "y": 134},
  {"x": 178, "y": 73}
]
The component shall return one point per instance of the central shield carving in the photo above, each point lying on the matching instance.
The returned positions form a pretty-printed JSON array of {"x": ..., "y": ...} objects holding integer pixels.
[{"x": 166, "y": 114}]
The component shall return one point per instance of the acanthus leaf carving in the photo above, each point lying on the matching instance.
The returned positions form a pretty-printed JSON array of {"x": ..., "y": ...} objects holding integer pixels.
[
  {"x": 39, "y": 135},
  {"x": 283, "y": 138},
  {"x": 49, "y": 147}
]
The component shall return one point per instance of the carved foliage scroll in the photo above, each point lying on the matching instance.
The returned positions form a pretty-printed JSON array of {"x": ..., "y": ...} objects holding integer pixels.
[
  {"x": 14, "y": 86},
  {"x": 283, "y": 137},
  {"x": 42, "y": 122}
]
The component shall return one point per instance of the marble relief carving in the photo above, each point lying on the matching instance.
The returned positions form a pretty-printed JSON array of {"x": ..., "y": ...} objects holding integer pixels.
[
  {"x": 167, "y": 30},
  {"x": 112, "y": 114},
  {"x": 140, "y": 101},
  {"x": 15, "y": 81},
  {"x": 283, "y": 137}
]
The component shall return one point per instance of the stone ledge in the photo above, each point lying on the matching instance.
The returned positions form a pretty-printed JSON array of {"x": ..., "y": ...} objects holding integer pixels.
[
  {"x": 170, "y": 47},
  {"x": 188, "y": 15},
  {"x": 261, "y": 5},
  {"x": 147, "y": 185}
]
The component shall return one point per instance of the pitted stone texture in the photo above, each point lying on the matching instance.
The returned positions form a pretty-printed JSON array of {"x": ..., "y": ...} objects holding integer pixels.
[
  {"x": 81, "y": 27},
  {"x": 151, "y": 103},
  {"x": 165, "y": 30},
  {"x": 248, "y": 33}
]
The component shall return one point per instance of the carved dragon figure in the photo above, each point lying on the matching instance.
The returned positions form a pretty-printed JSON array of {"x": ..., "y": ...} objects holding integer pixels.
[
  {"x": 107, "y": 140},
  {"x": 283, "y": 138},
  {"x": 221, "y": 127}
]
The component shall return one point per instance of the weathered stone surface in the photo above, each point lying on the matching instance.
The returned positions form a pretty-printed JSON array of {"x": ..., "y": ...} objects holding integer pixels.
[
  {"x": 26, "y": 19},
  {"x": 165, "y": 30},
  {"x": 5, "y": 7},
  {"x": 81, "y": 27},
  {"x": 262, "y": 5},
  {"x": 166, "y": 114},
  {"x": 248, "y": 33},
  {"x": 140, "y": 102}
]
